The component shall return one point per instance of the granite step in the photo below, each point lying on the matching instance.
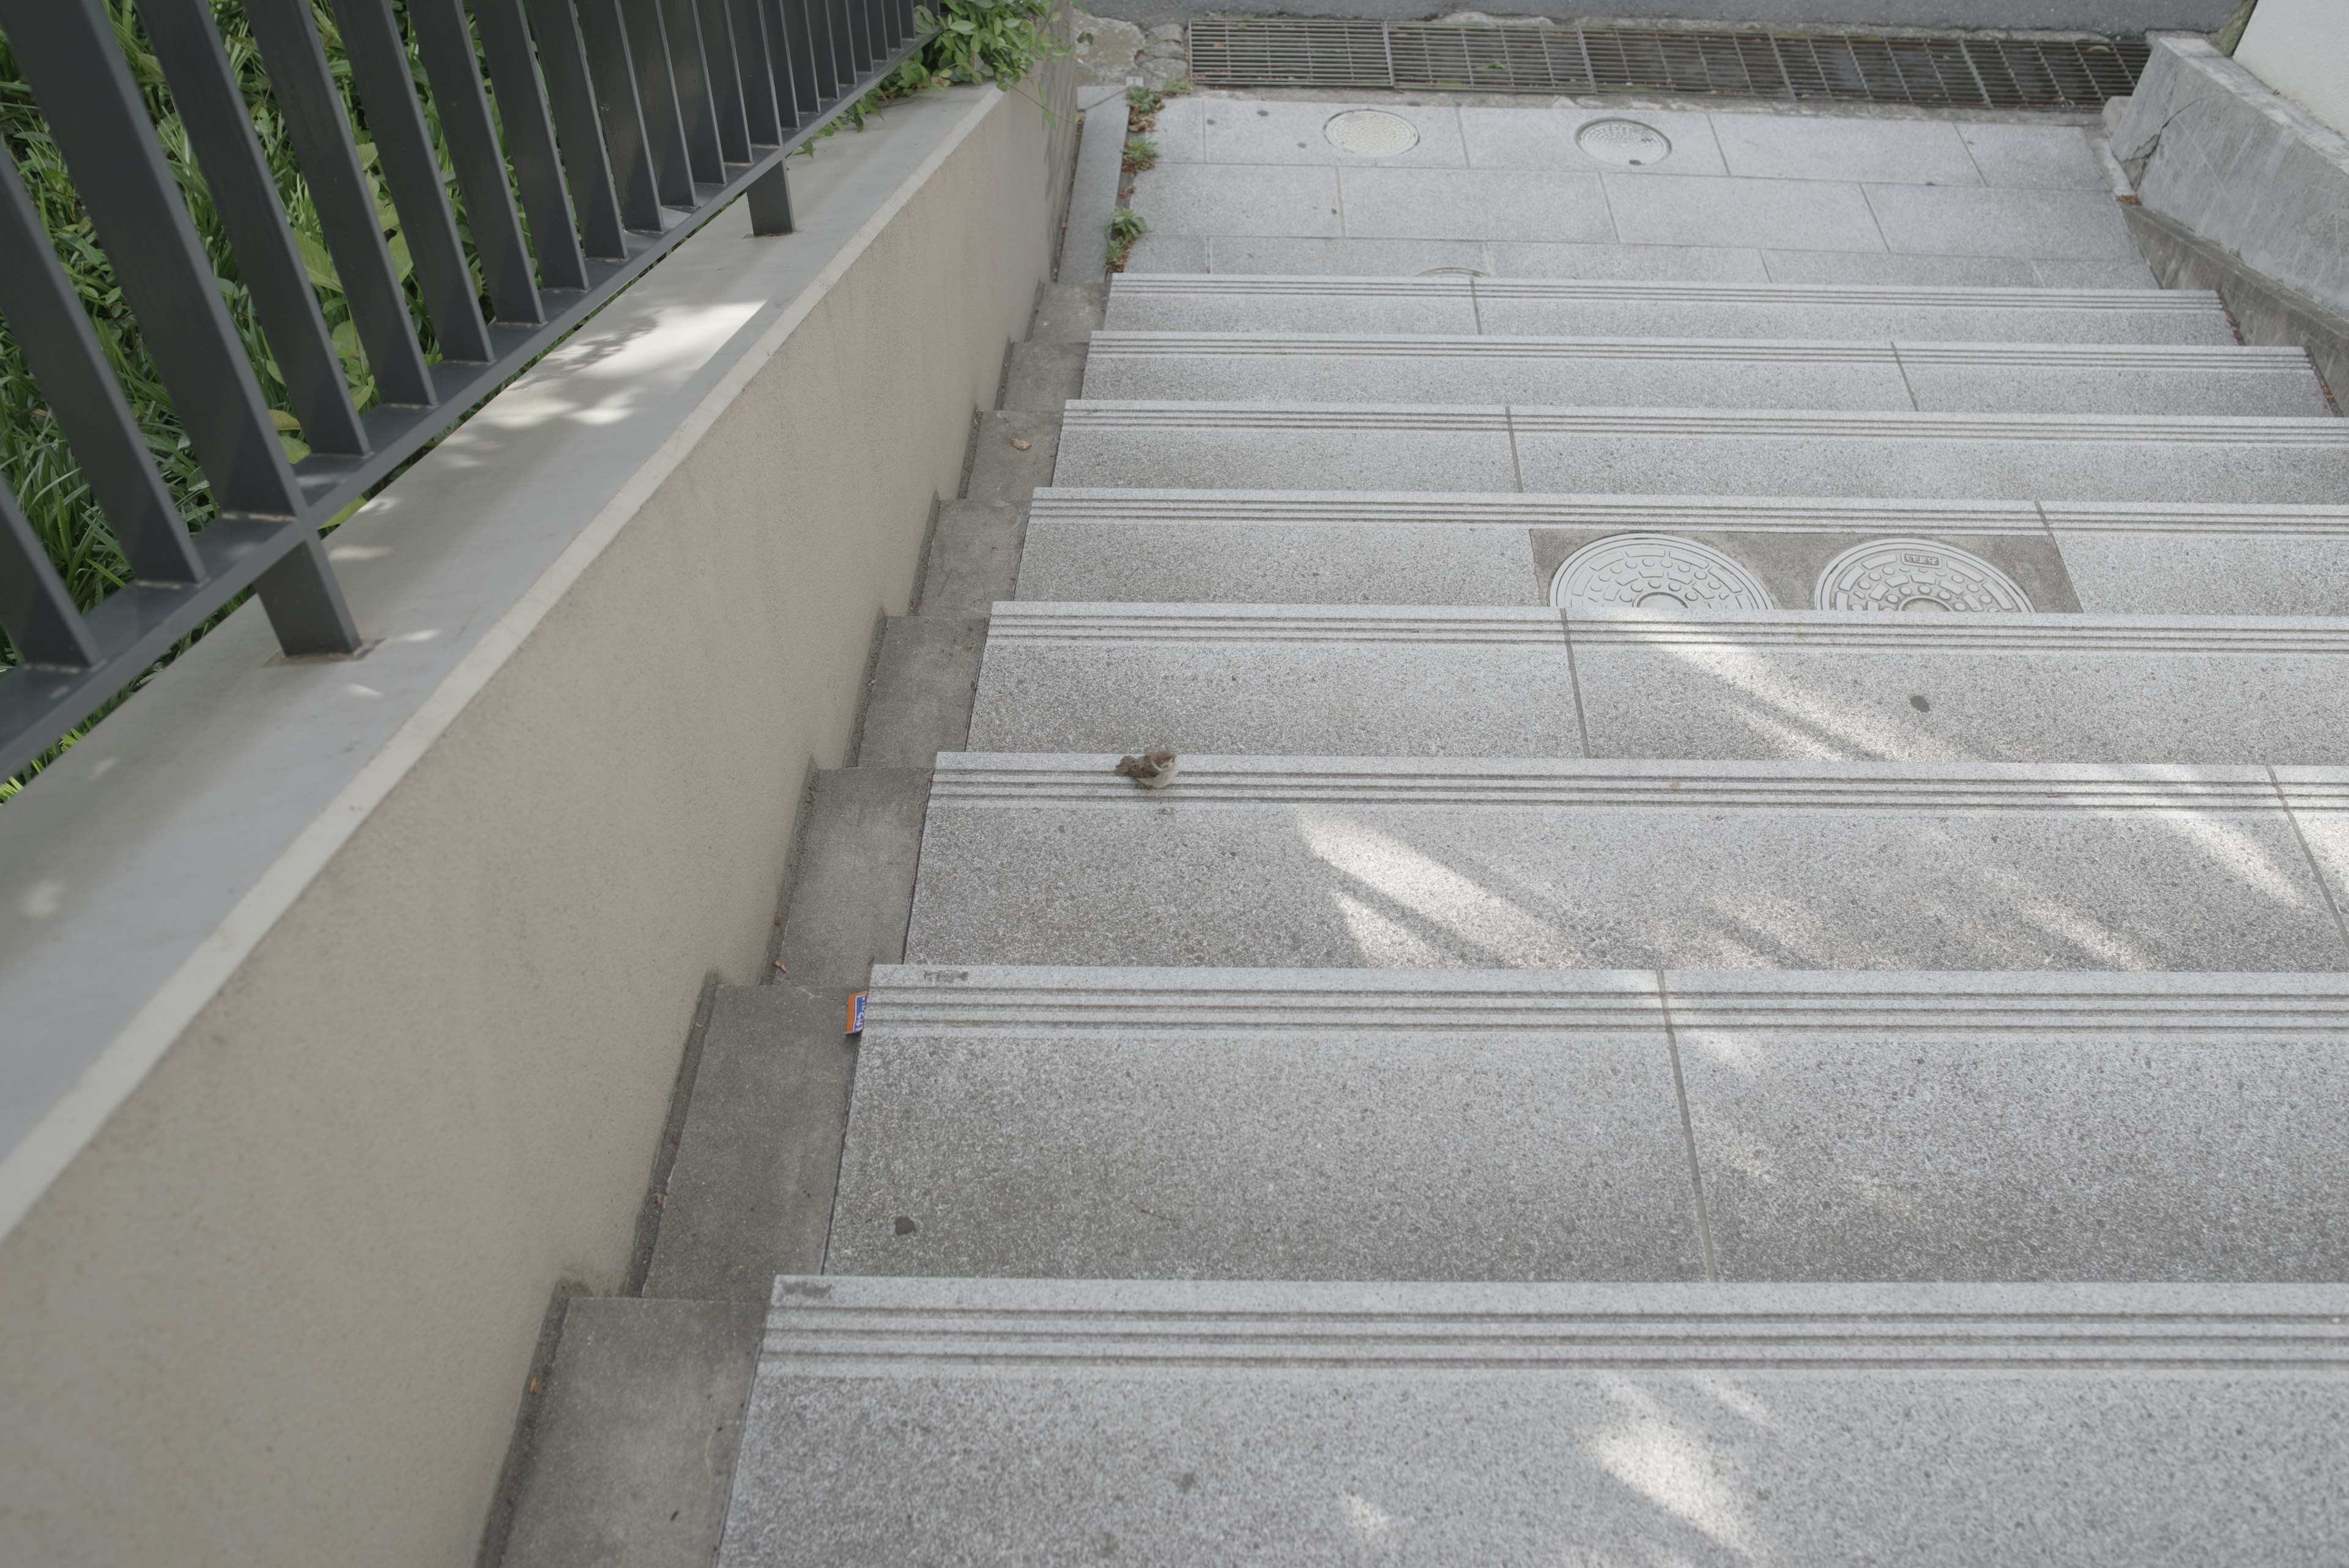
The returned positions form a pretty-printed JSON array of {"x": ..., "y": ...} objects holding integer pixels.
[
  {"x": 977, "y": 1421},
  {"x": 1499, "y": 1124},
  {"x": 1381, "y": 863},
  {"x": 1399, "y": 549},
  {"x": 1725, "y": 373},
  {"x": 1704, "y": 451},
  {"x": 1544, "y": 307},
  {"x": 1404, "y": 680}
]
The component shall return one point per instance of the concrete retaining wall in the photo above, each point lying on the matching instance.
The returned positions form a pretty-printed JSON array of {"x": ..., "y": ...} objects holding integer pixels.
[
  {"x": 346, "y": 999},
  {"x": 2301, "y": 48},
  {"x": 2244, "y": 190}
]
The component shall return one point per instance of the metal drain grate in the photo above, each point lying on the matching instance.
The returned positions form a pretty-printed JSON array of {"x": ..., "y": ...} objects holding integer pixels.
[{"x": 1953, "y": 70}]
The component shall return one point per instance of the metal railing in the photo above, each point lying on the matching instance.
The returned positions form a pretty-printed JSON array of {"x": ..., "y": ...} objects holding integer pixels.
[{"x": 624, "y": 124}]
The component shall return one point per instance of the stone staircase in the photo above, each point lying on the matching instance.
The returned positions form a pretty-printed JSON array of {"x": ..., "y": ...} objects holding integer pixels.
[{"x": 1609, "y": 1051}]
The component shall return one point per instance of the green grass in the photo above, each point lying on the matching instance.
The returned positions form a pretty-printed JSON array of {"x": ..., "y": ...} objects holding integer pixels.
[{"x": 1140, "y": 153}]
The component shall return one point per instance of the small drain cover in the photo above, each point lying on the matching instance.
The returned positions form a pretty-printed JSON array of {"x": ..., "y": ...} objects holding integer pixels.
[
  {"x": 1623, "y": 141},
  {"x": 1370, "y": 133},
  {"x": 1917, "y": 574},
  {"x": 1656, "y": 573}
]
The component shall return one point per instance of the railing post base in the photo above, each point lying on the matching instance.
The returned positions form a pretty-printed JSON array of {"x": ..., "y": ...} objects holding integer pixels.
[
  {"x": 305, "y": 605},
  {"x": 770, "y": 202}
]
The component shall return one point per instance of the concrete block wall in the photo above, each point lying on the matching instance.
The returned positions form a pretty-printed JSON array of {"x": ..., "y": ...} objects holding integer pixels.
[{"x": 362, "y": 987}]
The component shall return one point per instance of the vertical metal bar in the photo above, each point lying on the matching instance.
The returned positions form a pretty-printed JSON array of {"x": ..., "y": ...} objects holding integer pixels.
[
  {"x": 764, "y": 117},
  {"x": 67, "y": 52},
  {"x": 445, "y": 40},
  {"x": 790, "y": 101},
  {"x": 694, "y": 103},
  {"x": 799, "y": 50},
  {"x": 54, "y": 334},
  {"x": 770, "y": 200},
  {"x": 211, "y": 106},
  {"x": 530, "y": 141},
  {"x": 563, "y": 57},
  {"x": 843, "y": 47},
  {"x": 306, "y": 93},
  {"x": 821, "y": 54},
  {"x": 35, "y": 608},
  {"x": 380, "y": 70},
  {"x": 604, "y": 34},
  {"x": 724, "y": 53},
  {"x": 304, "y": 603},
  {"x": 657, "y": 91}
]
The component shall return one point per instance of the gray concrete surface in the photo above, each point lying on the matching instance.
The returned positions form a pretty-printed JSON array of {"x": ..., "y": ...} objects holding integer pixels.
[
  {"x": 1316, "y": 1124},
  {"x": 1378, "y": 863},
  {"x": 1146, "y": 302},
  {"x": 1169, "y": 445},
  {"x": 862, "y": 839},
  {"x": 642, "y": 1422},
  {"x": 1301, "y": 679},
  {"x": 1054, "y": 1422},
  {"x": 1291, "y": 547},
  {"x": 1298, "y": 680},
  {"x": 2225, "y": 381},
  {"x": 2112, "y": 17},
  {"x": 920, "y": 704},
  {"x": 750, "y": 1193},
  {"x": 1963, "y": 688},
  {"x": 975, "y": 550}
]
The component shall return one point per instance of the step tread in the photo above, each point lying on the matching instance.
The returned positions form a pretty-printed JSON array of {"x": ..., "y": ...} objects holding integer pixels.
[{"x": 2182, "y": 301}]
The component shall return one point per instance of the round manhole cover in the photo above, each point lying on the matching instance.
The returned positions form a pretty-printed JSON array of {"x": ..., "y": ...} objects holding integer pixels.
[
  {"x": 1658, "y": 574},
  {"x": 1370, "y": 133},
  {"x": 1623, "y": 141},
  {"x": 1918, "y": 576}
]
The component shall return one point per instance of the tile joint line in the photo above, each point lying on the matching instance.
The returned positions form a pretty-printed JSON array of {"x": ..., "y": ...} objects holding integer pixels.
[
  {"x": 1688, "y": 1130},
  {"x": 1574, "y": 679},
  {"x": 2323, "y": 885}
]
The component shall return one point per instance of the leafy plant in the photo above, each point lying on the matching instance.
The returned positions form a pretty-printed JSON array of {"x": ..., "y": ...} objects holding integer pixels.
[
  {"x": 1126, "y": 226},
  {"x": 971, "y": 41},
  {"x": 1145, "y": 100},
  {"x": 1140, "y": 153}
]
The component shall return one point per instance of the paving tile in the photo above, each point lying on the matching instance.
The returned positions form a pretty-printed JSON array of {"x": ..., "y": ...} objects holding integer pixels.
[
  {"x": 1637, "y": 263},
  {"x": 1970, "y": 688},
  {"x": 1344, "y": 258},
  {"x": 1240, "y": 131},
  {"x": 1838, "y": 1142},
  {"x": 1180, "y": 131},
  {"x": 1881, "y": 269},
  {"x": 1783, "y": 214},
  {"x": 1154, "y": 445},
  {"x": 1936, "y": 456},
  {"x": 1180, "y": 254},
  {"x": 1799, "y": 146},
  {"x": 2121, "y": 272},
  {"x": 2269, "y": 561},
  {"x": 1234, "y": 199},
  {"x": 2043, "y": 157},
  {"x": 1545, "y": 139},
  {"x": 1400, "y": 1146},
  {"x": 1474, "y": 204},
  {"x": 1268, "y": 563},
  {"x": 2072, "y": 225},
  {"x": 1286, "y": 681}
]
